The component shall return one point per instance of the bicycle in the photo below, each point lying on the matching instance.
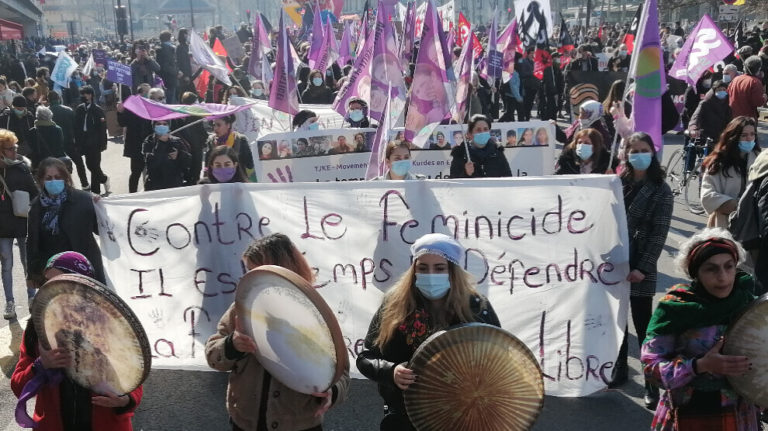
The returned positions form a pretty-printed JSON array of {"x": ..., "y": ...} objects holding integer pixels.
[{"x": 688, "y": 181}]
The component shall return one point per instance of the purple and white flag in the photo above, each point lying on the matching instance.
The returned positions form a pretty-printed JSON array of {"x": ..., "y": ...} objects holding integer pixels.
[
  {"x": 260, "y": 46},
  {"x": 316, "y": 46},
  {"x": 430, "y": 101},
  {"x": 203, "y": 54},
  {"x": 156, "y": 111},
  {"x": 494, "y": 58},
  {"x": 507, "y": 44},
  {"x": 377, "y": 161},
  {"x": 345, "y": 50},
  {"x": 406, "y": 47},
  {"x": 464, "y": 71},
  {"x": 283, "y": 93},
  {"x": 330, "y": 50},
  {"x": 362, "y": 36},
  {"x": 386, "y": 72},
  {"x": 704, "y": 48},
  {"x": 358, "y": 82}
]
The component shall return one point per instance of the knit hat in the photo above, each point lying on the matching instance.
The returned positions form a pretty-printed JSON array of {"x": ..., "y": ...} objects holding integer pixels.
[
  {"x": 438, "y": 244},
  {"x": 708, "y": 248},
  {"x": 71, "y": 262},
  {"x": 44, "y": 114}
]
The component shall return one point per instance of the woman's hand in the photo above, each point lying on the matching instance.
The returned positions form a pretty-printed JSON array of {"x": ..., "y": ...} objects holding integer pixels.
[
  {"x": 469, "y": 168},
  {"x": 404, "y": 377},
  {"x": 325, "y": 399},
  {"x": 728, "y": 207},
  {"x": 242, "y": 342},
  {"x": 173, "y": 154},
  {"x": 54, "y": 358},
  {"x": 110, "y": 401},
  {"x": 725, "y": 365},
  {"x": 635, "y": 276}
]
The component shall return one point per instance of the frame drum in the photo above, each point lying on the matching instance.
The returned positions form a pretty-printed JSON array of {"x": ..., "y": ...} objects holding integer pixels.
[
  {"x": 474, "y": 377},
  {"x": 748, "y": 336},
  {"x": 298, "y": 337},
  {"x": 110, "y": 350}
]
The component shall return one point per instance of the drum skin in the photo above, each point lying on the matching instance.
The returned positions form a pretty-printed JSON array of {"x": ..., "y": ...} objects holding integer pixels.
[
  {"x": 748, "y": 336},
  {"x": 474, "y": 377},
  {"x": 298, "y": 337},
  {"x": 110, "y": 350}
]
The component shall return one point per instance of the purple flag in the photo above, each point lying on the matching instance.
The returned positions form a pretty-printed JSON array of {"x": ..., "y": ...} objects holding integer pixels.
[
  {"x": 647, "y": 72},
  {"x": 447, "y": 53},
  {"x": 705, "y": 46},
  {"x": 119, "y": 73},
  {"x": 386, "y": 72},
  {"x": 358, "y": 82},
  {"x": 494, "y": 58},
  {"x": 345, "y": 50},
  {"x": 406, "y": 47},
  {"x": 465, "y": 74},
  {"x": 283, "y": 93},
  {"x": 377, "y": 161},
  {"x": 316, "y": 47},
  {"x": 260, "y": 45},
  {"x": 507, "y": 42},
  {"x": 430, "y": 100},
  {"x": 362, "y": 37},
  {"x": 330, "y": 51},
  {"x": 155, "y": 111}
]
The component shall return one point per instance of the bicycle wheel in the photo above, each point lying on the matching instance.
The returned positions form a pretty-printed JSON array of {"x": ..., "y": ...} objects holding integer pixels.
[
  {"x": 675, "y": 171},
  {"x": 693, "y": 191}
]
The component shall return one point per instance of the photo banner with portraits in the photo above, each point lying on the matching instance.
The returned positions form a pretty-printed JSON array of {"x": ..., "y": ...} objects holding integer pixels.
[
  {"x": 552, "y": 264},
  {"x": 343, "y": 154}
]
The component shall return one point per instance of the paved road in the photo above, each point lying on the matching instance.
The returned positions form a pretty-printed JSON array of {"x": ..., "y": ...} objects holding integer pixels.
[{"x": 186, "y": 400}]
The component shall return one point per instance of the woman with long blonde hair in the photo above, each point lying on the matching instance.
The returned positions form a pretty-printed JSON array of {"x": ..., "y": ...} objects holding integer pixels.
[{"x": 433, "y": 294}]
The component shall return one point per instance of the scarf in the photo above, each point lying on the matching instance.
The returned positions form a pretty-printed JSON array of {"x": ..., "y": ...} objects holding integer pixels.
[
  {"x": 594, "y": 111},
  {"x": 686, "y": 307},
  {"x": 229, "y": 140},
  {"x": 52, "y": 210},
  {"x": 43, "y": 377}
]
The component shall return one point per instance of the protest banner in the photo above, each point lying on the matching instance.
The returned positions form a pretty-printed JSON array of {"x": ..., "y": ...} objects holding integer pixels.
[
  {"x": 100, "y": 57},
  {"x": 262, "y": 120},
  {"x": 552, "y": 262},
  {"x": 119, "y": 73},
  {"x": 343, "y": 154},
  {"x": 63, "y": 69}
]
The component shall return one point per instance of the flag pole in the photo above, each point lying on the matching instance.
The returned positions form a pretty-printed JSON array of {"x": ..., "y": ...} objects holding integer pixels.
[{"x": 187, "y": 125}]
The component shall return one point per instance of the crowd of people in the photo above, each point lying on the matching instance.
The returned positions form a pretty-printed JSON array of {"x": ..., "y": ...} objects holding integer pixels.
[{"x": 50, "y": 132}]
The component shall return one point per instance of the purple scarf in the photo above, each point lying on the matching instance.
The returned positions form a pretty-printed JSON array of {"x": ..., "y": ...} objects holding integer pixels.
[{"x": 42, "y": 377}]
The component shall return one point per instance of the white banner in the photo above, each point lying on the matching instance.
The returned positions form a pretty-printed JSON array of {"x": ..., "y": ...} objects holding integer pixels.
[
  {"x": 63, "y": 69},
  {"x": 552, "y": 258},
  {"x": 343, "y": 154},
  {"x": 262, "y": 120}
]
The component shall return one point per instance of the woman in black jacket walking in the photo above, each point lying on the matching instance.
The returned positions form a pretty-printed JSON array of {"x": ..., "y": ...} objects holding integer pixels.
[{"x": 167, "y": 159}]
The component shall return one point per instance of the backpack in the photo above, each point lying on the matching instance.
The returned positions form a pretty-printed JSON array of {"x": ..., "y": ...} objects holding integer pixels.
[{"x": 744, "y": 222}]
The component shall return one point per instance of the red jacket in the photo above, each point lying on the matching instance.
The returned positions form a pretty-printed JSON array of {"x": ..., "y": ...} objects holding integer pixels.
[
  {"x": 745, "y": 95},
  {"x": 48, "y": 403}
]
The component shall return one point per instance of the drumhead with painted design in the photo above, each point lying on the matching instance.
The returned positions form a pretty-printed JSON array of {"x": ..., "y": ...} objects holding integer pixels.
[
  {"x": 474, "y": 377},
  {"x": 110, "y": 349},
  {"x": 298, "y": 337},
  {"x": 748, "y": 336}
]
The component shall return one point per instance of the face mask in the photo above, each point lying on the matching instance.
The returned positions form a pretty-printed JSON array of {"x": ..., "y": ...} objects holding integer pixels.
[
  {"x": 721, "y": 94},
  {"x": 257, "y": 92},
  {"x": 746, "y": 146},
  {"x": 317, "y": 81},
  {"x": 162, "y": 129},
  {"x": 223, "y": 175},
  {"x": 19, "y": 112},
  {"x": 481, "y": 139},
  {"x": 706, "y": 83},
  {"x": 726, "y": 78},
  {"x": 313, "y": 126},
  {"x": 623, "y": 53},
  {"x": 401, "y": 167},
  {"x": 356, "y": 115},
  {"x": 640, "y": 161},
  {"x": 433, "y": 286},
  {"x": 54, "y": 187},
  {"x": 584, "y": 151}
]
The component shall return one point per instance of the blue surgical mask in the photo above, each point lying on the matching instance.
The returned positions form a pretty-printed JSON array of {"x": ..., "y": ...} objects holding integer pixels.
[
  {"x": 433, "y": 286},
  {"x": 401, "y": 167},
  {"x": 356, "y": 115},
  {"x": 19, "y": 112},
  {"x": 640, "y": 161},
  {"x": 317, "y": 81},
  {"x": 721, "y": 94},
  {"x": 746, "y": 146},
  {"x": 482, "y": 138},
  {"x": 313, "y": 126},
  {"x": 726, "y": 78},
  {"x": 584, "y": 151},
  {"x": 257, "y": 92},
  {"x": 162, "y": 129},
  {"x": 54, "y": 187}
]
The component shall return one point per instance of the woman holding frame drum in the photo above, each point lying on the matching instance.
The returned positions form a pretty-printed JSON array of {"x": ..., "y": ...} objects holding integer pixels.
[
  {"x": 433, "y": 294},
  {"x": 682, "y": 351},
  {"x": 255, "y": 400}
]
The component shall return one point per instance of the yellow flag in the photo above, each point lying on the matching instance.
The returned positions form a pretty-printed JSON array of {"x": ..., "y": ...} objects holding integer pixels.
[
  {"x": 292, "y": 8},
  {"x": 739, "y": 2}
]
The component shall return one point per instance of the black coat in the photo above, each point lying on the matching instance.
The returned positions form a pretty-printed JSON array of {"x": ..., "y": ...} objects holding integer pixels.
[
  {"x": 163, "y": 172},
  {"x": 48, "y": 141},
  {"x": 317, "y": 95},
  {"x": 18, "y": 177},
  {"x": 489, "y": 161},
  {"x": 711, "y": 116},
  {"x": 136, "y": 131},
  {"x": 95, "y": 134},
  {"x": 761, "y": 199},
  {"x": 241, "y": 147},
  {"x": 182, "y": 60},
  {"x": 143, "y": 72},
  {"x": 77, "y": 224},
  {"x": 21, "y": 127},
  {"x": 379, "y": 364},
  {"x": 64, "y": 117},
  {"x": 166, "y": 58},
  {"x": 570, "y": 164}
]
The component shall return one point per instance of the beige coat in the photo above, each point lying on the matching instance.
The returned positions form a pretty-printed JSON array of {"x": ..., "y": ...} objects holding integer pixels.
[
  {"x": 718, "y": 189},
  {"x": 286, "y": 409}
]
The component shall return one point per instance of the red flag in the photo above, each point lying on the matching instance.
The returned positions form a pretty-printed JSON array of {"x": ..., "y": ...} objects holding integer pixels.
[
  {"x": 219, "y": 50},
  {"x": 464, "y": 29},
  {"x": 629, "y": 37},
  {"x": 202, "y": 83},
  {"x": 542, "y": 58},
  {"x": 476, "y": 46},
  {"x": 566, "y": 44}
]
